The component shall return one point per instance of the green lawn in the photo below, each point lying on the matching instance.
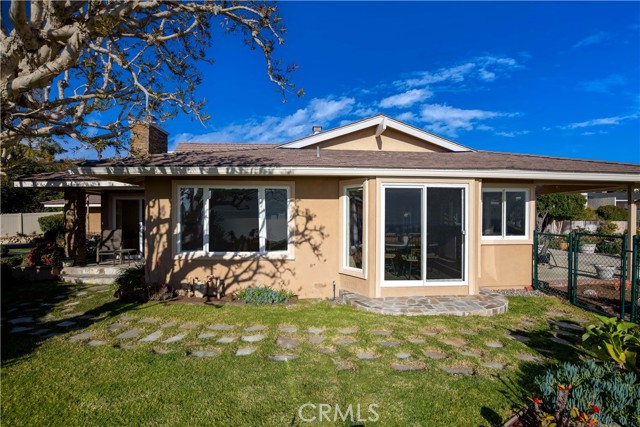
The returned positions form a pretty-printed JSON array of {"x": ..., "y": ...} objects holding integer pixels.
[{"x": 51, "y": 381}]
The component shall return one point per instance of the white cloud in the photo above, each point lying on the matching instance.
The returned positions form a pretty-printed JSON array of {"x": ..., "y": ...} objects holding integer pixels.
[
  {"x": 407, "y": 116},
  {"x": 604, "y": 85},
  {"x": 606, "y": 121},
  {"x": 592, "y": 39},
  {"x": 449, "y": 120},
  {"x": 319, "y": 111},
  {"x": 406, "y": 99},
  {"x": 512, "y": 134}
]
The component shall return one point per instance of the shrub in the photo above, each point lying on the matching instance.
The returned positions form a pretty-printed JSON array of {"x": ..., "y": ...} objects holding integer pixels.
[
  {"x": 4, "y": 251},
  {"x": 131, "y": 285},
  {"x": 12, "y": 261},
  {"x": 573, "y": 393},
  {"x": 614, "y": 341},
  {"x": 612, "y": 213},
  {"x": 264, "y": 295},
  {"x": 47, "y": 253},
  {"x": 52, "y": 226}
]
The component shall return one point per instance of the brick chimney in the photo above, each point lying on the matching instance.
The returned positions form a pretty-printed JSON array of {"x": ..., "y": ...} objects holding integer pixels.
[{"x": 148, "y": 138}]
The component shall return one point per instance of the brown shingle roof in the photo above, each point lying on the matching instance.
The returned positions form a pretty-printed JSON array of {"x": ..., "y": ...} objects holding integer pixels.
[{"x": 220, "y": 146}]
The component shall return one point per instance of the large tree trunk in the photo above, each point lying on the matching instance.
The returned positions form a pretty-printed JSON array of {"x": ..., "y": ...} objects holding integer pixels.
[{"x": 75, "y": 220}]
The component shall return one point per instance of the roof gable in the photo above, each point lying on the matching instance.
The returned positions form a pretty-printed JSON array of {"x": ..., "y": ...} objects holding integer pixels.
[{"x": 339, "y": 137}]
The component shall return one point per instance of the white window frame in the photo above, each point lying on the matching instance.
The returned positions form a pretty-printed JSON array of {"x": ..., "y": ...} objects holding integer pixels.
[
  {"x": 262, "y": 223},
  {"x": 344, "y": 263},
  {"x": 503, "y": 212}
]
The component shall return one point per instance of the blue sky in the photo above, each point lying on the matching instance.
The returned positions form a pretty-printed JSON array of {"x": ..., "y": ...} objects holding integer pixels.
[{"x": 558, "y": 79}]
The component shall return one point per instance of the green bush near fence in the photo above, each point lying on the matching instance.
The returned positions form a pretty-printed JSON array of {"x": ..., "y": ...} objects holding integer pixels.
[{"x": 52, "y": 226}]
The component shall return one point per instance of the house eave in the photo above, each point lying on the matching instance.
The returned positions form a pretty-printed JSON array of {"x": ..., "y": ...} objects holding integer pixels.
[{"x": 74, "y": 184}]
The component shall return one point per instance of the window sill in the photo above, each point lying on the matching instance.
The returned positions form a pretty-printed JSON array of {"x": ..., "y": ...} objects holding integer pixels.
[
  {"x": 234, "y": 256},
  {"x": 500, "y": 241},
  {"x": 360, "y": 274}
]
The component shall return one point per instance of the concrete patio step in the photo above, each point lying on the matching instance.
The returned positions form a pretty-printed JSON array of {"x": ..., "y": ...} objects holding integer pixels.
[
  {"x": 104, "y": 274},
  {"x": 95, "y": 279}
]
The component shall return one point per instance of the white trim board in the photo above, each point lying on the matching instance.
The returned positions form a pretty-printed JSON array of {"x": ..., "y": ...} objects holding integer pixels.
[
  {"x": 382, "y": 122},
  {"x": 70, "y": 183}
]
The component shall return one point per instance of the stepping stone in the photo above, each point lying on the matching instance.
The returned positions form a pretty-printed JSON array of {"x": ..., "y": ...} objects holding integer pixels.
[
  {"x": 152, "y": 337},
  {"x": 19, "y": 329},
  {"x": 315, "y": 331},
  {"x": 39, "y": 332},
  {"x": 81, "y": 293},
  {"x": 128, "y": 346},
  {"x": 85, "y": 317},
  {"x": 560, "y": 341},
  {"x": 60, "y": 297},
  {"x": 148, "y": 320},
  {"x": 519, "y": 338},
  {"x": 316, "y": 340},
  {"x": 188, "y": 326},
  {"x": 174, "y": 338},
  {"x": 348, "y": 331},
  {"x": 431, "y": 332},
  {"x": 207, "y": 335},
  {"x": 96, "y": 343},
  {"x": 245, "y": 351},
  {"x": 283, "y": 357},
  {"x": 568, "y": 326},
  {"x": 416, "y": 340},
  {"x": 435, "y": 355},
  {"x": 494, "y": 344},
  {"x": 115, "y": 326},
  {"x": 161, "y": 351},
  {"x": 126, "y": 318},
  {"x": 221, "y": 327},
  {"x": 527, "y": 357},
  {"x": 66, "y": 324},
  {"x": 80, "y": 337},
  {"x": 287, "y": 342},
  {"x": 326, "y": 350},
  {"x": 456, "y": 342},
  {"x": 21, "y": 320},
  {"x": 566, "y": 334},
  {"x": 366, "y": 356},
  {"x": 404, "y": 368},
  {"x": 380, "y": 333},
  {"x": 288, "y": 329},
  {"x": 131, "y": 333},
  {"x": 255, "y": 328},
  {"x": 253, "y": 338},
  {"x": 226, "y": 340},
  {"x": 403, "y": 356},
  {"x": 66, "y": 310},
  {"x": 99, "y": 288},
  {"x": 168, "y": 325},
  {"x": 344, "y": 341},
  {"x": 468, "y": 332},
  {"x": 457, "y": 371},
  {"x": 494, "y": 365},
  {"x": 71, "y": 304},
  {"x": 470, "y": 354},
  {"x": 204, "y": 353},
  {"x": 387, "y": 343}
]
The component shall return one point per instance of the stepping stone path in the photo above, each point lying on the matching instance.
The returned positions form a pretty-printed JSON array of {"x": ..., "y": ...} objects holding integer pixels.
[
  {"x": 494, "y": 365},
  {"x": 245, "y": 351},
  {"x": 115, "y": 326},
  {"x": 167, "y": 325},
  {"x": 152, "y": 337},
  {"x": 326, "y": 350},
  {"x": 456, "y": 342},
  {"x": 494, "y": 344},
  {"x": 188, "y": 326},
  {"x": 174, "y": 338},
  {"x": 431, "y": 332},
  {"x": 519, "y": 338},
  {"x": 161, "y": 351},
  {"x": 255, "y": 328},
  {"x": 128, "y": 346},
  {"x": 287, "y": 342},
  {"x": 316, "y": 331},
  {"x": 96, "y": 343},
  {"x": 567, "y": 326},
  {"x": 344, "y": 341},
  {"x": 71, "y": 304},
  {"x": 316, "y": 340},
  {"x": 253, "y": 338},
  {"x": 288, "y": 329},
  {"x": 404, "y": 368},
  {"x": 39, "y": 332},
  {"x": 131, "y": 333},
  {"x": 457, "y": 370},
  {"x": 381, "y": 333},
  {"x": 204, "y": 353},
  {"x": 206, "y": 335},
  {"x": 80, "y": 337},
  {"x": 435, "y": 355},
  {"x": 221, "y": 327},
  {"x": 468, "y": 353},
  {"x": 468, "y": 332},
  {"x": 100, "y": 288},
  {"x": 85, "y": 317},
  {"x": 348, "y": 331},
  {"x": 416, "y": 340},
  {"x": 527, "y": 357},
  {"x": 366, "y": 356},
  {"x": 560, "y": 341},
  {"x": 283, "y": 357},
  {"x": 81, "y": 293},
  {"x": 403, "y": 356},
  {"x": 19, "y": 329},
  {"x": 148, "y": 320},
  {"x": 226, "y": 340},
  {"x": 21, "y": 320},
  {"x": 126, "y": 318},
  {"x": 66, "y": 324},
  {"x": 387, "y": 343}
]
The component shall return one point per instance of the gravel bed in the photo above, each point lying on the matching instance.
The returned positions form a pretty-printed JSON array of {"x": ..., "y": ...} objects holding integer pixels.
[{"x": 520, "y": 293}]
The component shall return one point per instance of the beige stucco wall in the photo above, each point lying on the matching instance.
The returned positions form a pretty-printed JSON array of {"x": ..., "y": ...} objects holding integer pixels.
[{"x": 390, "y": 140}]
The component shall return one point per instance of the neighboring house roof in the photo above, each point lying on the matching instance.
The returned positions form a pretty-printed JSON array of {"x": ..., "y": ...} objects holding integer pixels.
[
  {"x": 620, "y": 196},
  {"x": 95, "y": 201},
  {"x": 221, "y": 146}
]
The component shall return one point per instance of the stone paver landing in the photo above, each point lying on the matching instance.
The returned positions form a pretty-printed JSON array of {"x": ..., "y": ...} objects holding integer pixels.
[{"x": 484, "y": 304}]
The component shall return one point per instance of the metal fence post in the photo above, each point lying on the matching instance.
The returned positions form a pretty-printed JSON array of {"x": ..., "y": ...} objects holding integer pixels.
[
  {"x": 634, "y": 278},
  {"x": 535, "y": 259},
  {"x": 570, "y": 267},
  {"x": 623, "y": 277},
  {"x": 574, "y": 268}
]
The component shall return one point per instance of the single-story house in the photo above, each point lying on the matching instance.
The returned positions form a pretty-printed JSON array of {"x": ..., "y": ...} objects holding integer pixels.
[
  {"x": 93, "y": 201},
  {"x": 377, "y": 207},
  {"x": 610, "y": 198}
]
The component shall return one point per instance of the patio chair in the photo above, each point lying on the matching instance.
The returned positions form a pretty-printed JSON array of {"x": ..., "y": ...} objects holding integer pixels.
[
  {"x": 545, "y": 255},
  {"x": 110, "y": 244}
]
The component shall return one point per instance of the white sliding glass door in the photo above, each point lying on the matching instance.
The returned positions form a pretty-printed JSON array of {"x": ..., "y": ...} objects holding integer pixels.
[{"x": 424, "y": 234}]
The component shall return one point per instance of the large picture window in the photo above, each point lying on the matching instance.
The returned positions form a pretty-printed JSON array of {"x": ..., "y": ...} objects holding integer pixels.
[
  {"x": 219, "y": 220},
  {"x": 505, "y": 213},
  {"x": 354, "y": 227}
]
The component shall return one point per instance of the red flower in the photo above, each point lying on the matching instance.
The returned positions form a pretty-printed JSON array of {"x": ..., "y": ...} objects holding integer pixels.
[
  {"x": 595, "y": 409},
  {"x": 537, "y": 401}
]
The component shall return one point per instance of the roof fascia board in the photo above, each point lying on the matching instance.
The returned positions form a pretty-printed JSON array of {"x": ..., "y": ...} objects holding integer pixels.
[
  {"x": 377, "y": 121},
  {"x": 77, "y": 184},
  {"x": 356, "y": 172}
]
